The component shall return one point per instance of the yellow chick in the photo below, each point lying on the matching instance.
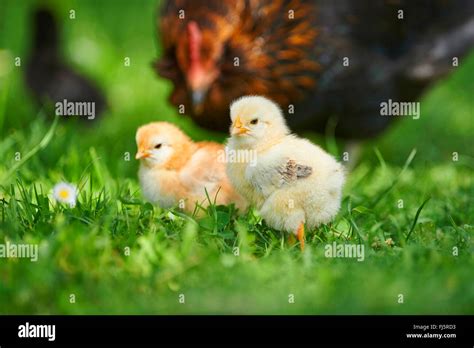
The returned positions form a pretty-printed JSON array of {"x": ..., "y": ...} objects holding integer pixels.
[
  {"x": 291, "y": 181},
  {"x": 174, "y": 170}
]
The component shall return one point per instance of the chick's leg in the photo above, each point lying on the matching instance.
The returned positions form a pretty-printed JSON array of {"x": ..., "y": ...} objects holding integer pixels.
[
  {"x": 300, "y": 235},
  {"x": 281, "y": 211}
]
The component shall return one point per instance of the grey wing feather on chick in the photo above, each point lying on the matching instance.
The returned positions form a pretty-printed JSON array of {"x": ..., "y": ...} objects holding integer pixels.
[
  {"x": 293, "y": 171},
  {"x": 270, "y": 178}
]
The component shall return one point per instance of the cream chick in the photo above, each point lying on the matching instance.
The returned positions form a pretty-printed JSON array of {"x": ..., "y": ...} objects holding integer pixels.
[
  {"x": 292, "y": 182},
  {"x": 174, "y": 168}
]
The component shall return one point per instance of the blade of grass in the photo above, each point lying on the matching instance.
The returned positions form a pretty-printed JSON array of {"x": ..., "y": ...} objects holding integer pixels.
[
  {"x": 352, "y": 222},
  {"x": 41, "y": 145},
  {"x": 380, "y": 158},
  {"x": 330, "y": 131},
  {"x": 394, "y": 182},
  {"x": 98, "y": 169},
  {"x": 416, "y": 218},
  {"x": 3, "y": 102}
]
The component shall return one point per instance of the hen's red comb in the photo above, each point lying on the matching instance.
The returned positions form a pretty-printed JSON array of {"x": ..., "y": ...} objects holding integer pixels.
[{"x": 194, "y": 38}]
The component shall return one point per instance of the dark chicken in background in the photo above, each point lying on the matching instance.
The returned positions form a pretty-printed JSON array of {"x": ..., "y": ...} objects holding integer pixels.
[
  {"x": 48, "y": 77},
  {"x": 292, "y": 51}
]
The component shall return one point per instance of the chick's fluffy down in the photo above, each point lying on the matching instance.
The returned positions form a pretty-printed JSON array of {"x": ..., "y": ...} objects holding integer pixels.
[{"x": 285, "y": 202}]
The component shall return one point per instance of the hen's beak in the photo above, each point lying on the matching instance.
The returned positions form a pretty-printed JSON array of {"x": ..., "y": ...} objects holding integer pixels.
[
  {"x": 142, "y": 154},
  {"x": 197, "y": 98},
  {"x": 238, "y": 127}
]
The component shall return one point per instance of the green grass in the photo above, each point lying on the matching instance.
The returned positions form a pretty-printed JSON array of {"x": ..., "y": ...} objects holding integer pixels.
[{"x": 82, "y": 250}]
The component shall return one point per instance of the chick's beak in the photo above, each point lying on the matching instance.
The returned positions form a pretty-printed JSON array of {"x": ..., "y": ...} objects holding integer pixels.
[
  {"x": 142, "y": 154},
  {"x": 238, "y": 127}
]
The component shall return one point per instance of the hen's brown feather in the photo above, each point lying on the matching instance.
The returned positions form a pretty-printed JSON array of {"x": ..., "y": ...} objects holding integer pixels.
[{"x": 273, "y": 41}]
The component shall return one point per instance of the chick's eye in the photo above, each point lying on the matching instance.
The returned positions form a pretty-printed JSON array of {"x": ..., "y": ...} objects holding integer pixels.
[
  {"x": 254, "y": 121},
  {"x": 157, "y": 146}
]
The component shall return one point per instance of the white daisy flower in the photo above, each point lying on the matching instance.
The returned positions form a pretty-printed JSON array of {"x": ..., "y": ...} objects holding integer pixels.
[{"x": 64, "y": 192}]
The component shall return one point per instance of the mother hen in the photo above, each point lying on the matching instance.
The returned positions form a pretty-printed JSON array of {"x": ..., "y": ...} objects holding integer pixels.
[{"x": 318, "y": 59}]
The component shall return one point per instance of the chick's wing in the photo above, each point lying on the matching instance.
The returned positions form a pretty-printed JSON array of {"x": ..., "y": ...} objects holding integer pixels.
[
  {"x": 292, "y": 171},
  {"x": 203, "y": 170},
  {"x": 272, "y": 174}
]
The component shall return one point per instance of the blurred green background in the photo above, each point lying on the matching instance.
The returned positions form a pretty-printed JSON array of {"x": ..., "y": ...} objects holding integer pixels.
[{"x": 82, "y": 249}]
